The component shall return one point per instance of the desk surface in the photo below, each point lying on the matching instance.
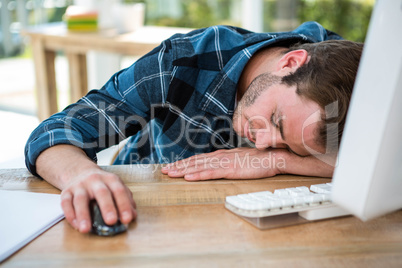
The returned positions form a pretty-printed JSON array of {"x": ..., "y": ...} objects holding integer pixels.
[{"x": 185, "y": 224}]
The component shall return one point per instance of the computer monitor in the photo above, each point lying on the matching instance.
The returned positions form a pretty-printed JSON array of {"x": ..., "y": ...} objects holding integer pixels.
[{"x": 368, "y": 177}]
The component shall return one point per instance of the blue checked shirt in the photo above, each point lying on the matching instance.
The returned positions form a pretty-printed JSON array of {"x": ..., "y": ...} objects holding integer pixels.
[{"x": 174, "y": 102}]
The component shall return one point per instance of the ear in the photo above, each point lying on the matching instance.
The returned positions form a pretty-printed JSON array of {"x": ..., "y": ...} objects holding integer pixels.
[{"x": 292, "y": 60}]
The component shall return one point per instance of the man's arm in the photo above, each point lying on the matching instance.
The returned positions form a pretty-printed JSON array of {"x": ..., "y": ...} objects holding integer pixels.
[
  {"x": 63, "y": 148},
  {"x": 249, "y": 163},
  {"x": 314, "y": 165},
  {"x": 68, "y": 168}
]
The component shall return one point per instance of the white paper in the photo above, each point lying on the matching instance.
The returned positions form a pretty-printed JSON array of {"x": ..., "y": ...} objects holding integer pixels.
[{"x": 24, "y": 216}]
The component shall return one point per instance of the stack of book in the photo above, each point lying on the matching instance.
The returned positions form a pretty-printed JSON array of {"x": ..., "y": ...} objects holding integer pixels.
[{"x": 81, "y": 19}]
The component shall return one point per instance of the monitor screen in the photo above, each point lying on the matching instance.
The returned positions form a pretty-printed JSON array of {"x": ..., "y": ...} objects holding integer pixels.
[{"x": 368, "y": 177}]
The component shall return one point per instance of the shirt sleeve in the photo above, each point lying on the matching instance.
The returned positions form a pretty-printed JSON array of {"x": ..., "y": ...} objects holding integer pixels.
[{"x": 106, "y": 116}]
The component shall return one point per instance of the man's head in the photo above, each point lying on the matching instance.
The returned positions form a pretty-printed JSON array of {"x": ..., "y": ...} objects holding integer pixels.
[
  {"x": 301, "y": 104},
  {"x": 328, "y": 79}
]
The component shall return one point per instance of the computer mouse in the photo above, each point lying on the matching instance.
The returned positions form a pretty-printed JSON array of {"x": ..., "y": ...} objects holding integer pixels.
[{"x": 99, "y": 227}]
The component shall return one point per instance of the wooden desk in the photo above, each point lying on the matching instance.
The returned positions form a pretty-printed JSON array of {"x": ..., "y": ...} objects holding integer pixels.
[
  {"x": 46, "y": 40},
  {"x": 185, "y": 224}
]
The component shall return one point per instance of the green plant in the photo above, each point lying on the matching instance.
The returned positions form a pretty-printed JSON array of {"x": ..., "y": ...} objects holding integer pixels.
[{"x": 347, "y": 18}]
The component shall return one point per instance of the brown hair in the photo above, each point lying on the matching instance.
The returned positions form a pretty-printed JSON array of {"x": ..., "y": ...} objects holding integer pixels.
[{"x": 328, "y": 79}]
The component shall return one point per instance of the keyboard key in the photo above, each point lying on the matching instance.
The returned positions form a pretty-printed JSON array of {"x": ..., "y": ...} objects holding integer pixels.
[
  {"x": 321, "y": 188},
  {"x": 287, "y": 203},
  {"x": 281, "y": 192},
  {"x": 298, "y": 191}
]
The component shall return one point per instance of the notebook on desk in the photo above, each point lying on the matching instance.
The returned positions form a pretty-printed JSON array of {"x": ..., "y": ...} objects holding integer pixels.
[{"x": 24, "y": 216}]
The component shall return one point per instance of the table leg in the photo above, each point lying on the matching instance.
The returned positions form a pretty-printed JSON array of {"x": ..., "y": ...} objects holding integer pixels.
[
  {"x": 78, "y": 75},
  {"x": 46, "y": 93}
]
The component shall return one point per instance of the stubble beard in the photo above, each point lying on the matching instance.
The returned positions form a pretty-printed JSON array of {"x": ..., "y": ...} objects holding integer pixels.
[{"x": 261, "y": 83}]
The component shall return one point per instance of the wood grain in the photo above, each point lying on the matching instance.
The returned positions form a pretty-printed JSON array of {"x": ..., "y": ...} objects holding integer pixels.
[{"x": 185, "y": 224}]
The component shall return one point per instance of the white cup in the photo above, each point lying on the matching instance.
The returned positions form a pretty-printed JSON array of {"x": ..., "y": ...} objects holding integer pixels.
[{"x": 129, "y": 17}]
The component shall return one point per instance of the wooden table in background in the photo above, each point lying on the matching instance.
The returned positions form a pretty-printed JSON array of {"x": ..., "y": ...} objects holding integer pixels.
[
  {"x": 185, "y": 224},
  {"x": 47, "y": 39}
]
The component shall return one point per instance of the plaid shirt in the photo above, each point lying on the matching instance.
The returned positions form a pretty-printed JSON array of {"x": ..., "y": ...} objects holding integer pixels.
[{"x": 174, "y": 102}]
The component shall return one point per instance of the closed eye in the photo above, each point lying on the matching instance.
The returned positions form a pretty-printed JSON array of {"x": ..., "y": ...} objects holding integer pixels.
[{"x": 278, "y": 125}]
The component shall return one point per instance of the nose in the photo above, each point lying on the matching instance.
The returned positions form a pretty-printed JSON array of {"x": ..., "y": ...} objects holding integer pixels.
[{"x": 266, "y": 138}]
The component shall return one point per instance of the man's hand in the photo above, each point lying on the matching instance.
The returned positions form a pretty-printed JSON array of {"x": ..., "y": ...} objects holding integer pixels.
[
  {"x": 114, "y": 198},
  {"x": 248, "y": 163},
  {"x": 239, "y": 163},
  {"x": 81, "y": 180}
]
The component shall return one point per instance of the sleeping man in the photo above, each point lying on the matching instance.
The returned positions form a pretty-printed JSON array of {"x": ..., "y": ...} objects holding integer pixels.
[{"x": 219, "y": 102}]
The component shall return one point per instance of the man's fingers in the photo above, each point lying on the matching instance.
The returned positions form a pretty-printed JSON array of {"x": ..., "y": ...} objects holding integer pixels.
[
  {"x": 245, "y": 163},
  {"x": 68, "y": 208},
  {"x": 223, "y": 163},
  {"x": 189, "y": 162},
  {"x": 205, "y": 175},
  {"x": 122, "y": 200},
  {"x": 133, "y": 204},
  {"x": 106, "y": 204},
  {"x": 114, "y": 198},
  {"x": 80, "y": 202}
]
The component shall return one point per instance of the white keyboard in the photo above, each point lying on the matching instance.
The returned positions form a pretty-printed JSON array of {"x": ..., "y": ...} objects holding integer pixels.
[{"x": 285, "y": 206}]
